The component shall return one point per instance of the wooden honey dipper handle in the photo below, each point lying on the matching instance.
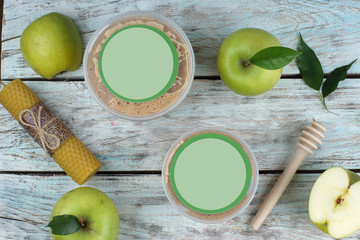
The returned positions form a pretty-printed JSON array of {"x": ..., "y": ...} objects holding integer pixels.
[{"x": 307, "y": 142}]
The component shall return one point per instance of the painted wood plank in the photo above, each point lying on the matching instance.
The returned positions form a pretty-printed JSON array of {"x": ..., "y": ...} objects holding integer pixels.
[
  {"x": 327, "y": 26},
  {"x": 269, "y": 123},
  {"x": 26, "y": 203}
]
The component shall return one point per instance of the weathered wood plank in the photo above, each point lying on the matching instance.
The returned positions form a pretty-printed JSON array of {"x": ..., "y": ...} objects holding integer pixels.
[
  {"x": 1, "y": 25},
  {"x": 145, "y": 213},
  {"x": 327, "y": 26},
  {"x": 270, "y": 123}
]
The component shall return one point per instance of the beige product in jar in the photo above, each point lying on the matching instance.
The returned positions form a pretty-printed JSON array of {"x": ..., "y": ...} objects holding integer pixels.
[
  {"x": 163, "y": 100},
  {"x": 210, "y": 175}
]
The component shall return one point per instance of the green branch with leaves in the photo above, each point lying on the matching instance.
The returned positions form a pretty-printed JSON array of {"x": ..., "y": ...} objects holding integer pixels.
[{"x": 312, "y": 73}]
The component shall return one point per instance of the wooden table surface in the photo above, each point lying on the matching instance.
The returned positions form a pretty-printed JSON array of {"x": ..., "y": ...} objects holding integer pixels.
[{"x": 132, "y": 153}]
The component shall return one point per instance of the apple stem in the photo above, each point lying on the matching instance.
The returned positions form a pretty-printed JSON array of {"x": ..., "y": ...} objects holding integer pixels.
[
  {"x": 246, "y": 63},
  {"x": 82, "y": 221}
]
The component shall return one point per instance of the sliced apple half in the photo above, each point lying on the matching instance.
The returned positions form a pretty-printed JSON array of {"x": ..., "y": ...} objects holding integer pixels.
[{"x": 334, "y": 203}]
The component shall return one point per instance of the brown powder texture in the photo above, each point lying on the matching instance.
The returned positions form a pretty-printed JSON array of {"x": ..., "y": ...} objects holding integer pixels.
[{"x": 147, "y": 108}]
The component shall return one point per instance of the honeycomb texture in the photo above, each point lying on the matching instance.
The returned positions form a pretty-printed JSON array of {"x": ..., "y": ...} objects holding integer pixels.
[
  {"x": 76, "y": 160},
  {"x": 16, "y": 96},
  {"x": 72, "y": 156}
]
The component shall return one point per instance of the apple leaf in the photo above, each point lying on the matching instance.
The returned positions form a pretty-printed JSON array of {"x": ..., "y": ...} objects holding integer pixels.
[
  {"x": 309, "y": 66},
  {"x": 332, "y": 81},
  {"x": 273, "y": 58},
  {"x": 64, "y": 225}
]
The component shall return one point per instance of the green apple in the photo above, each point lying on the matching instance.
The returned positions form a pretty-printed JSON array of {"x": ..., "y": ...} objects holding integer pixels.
[
  {"x": 93, "y": 209},
  {"x": 233, "y": 62},
  {"x": 334, "y": 203},
  {"x": 52, "y": 44}
]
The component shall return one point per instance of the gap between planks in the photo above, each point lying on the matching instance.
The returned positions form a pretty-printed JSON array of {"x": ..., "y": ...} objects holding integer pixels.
[
  {"x": 211, "y": 77},
  {"x": 1, "y": 27},
  {"x": 146, "y": 172}
]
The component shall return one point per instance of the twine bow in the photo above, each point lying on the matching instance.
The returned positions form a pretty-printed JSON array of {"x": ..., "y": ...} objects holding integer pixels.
[{"x": 40, "y": 130}]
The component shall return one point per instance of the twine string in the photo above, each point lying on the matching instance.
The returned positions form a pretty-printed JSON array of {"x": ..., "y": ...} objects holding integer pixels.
[{"x": 41, "y": 133}]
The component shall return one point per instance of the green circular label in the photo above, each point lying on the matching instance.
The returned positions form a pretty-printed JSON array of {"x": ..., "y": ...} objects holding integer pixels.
[
  {"x": 138, "y": 63},
  {"x": 210, "y": 173}
]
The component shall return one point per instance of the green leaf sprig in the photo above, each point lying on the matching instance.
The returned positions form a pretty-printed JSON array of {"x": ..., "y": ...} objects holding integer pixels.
[
  {"x": 312, "y": 72},
  {"x": 64, "y": 225},
  {"x": 309, "y": 66},
  {"x": 273, "y": 58},
  {"x": 332, "y": 81}
]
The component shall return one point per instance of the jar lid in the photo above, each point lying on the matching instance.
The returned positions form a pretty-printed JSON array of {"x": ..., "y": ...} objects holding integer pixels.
[
  {"x": 138, "y": 63},
  {"x": 210, "y": 173}
]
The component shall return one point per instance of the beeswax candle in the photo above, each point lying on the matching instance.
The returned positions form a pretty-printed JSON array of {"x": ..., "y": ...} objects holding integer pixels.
[{"x": 56, "y": 139}]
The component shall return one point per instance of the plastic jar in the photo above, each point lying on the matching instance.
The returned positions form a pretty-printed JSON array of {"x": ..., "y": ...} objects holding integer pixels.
[
  {"x": 210, "y": 175},
  {"x": 151, "y": 89}
]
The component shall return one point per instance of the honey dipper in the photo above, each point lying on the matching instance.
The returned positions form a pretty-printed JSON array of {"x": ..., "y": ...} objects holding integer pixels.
[{"x": 307, "y": 142}]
